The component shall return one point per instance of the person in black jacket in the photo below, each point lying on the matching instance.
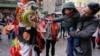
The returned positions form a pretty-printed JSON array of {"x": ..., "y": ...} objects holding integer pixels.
[{"x": 89, "y": 26}]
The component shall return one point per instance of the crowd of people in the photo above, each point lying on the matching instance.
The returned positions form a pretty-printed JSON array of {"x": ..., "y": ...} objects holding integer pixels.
[
  {"x": 6, "y": 19},
  {"x": 33, "y": 33}
]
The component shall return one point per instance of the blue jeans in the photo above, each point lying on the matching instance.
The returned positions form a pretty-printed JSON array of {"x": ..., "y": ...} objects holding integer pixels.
[
  {"x": 72, "y": 42},
  {"x": 70, "y": 47},
  {"x": 75, "y": 42},
  {"x": 75, "y": 39}
]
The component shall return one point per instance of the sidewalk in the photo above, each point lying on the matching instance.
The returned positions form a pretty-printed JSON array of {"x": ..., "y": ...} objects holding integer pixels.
[{"x": 60, "y": 49}]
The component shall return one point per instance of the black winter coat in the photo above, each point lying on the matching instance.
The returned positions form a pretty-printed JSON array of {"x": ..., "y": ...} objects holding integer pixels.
[{"x": 89, "y": 26}]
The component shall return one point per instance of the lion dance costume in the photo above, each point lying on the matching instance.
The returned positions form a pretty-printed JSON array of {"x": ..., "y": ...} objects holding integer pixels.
[{"x": 28, "y": 39}]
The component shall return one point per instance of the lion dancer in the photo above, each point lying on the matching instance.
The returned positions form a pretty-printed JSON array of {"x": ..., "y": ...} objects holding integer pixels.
[{"x": 27, "y": 17}]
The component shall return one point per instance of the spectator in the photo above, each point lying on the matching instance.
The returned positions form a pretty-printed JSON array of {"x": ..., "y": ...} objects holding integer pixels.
[
  {"x": 51, "y": 35},
  {"x": 89, "y": 26},
  {"x": 69, "y": 21}
]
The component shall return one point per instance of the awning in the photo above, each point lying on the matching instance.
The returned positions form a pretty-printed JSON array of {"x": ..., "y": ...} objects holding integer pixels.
[{"x": 8, "y": 5}]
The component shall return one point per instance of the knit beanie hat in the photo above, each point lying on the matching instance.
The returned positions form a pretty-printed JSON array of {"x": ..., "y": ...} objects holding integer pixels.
[{"x": 94, "y": 7}]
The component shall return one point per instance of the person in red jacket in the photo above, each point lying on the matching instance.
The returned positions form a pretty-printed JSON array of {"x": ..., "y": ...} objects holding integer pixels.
[{"x": 51, "y": 35}]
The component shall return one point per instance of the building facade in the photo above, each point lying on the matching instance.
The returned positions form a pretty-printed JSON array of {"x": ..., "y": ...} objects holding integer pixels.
[
  {"x": 52, "y": 6},
  {"x": 79, "y": 3},
  {"x": 98, "y": 1},
  {"x": 59, "y": 5},
  {"x": 8, "y": 6},
  {"x": 56, "y": 5},
  {"x": 49, "y": 6}
]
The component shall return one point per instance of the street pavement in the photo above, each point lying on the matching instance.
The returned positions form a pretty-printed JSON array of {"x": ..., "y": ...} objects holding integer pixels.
[
  {"x": 60, "y": 48},
  {"x": 4, "y": 46}
]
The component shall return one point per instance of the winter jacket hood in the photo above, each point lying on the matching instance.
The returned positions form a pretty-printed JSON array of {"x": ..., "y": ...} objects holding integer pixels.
[{"x": 69, "y": 5}]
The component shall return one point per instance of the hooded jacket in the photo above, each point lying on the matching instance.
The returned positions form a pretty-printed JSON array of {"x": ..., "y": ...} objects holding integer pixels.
[{"x": 72, "y": 21}]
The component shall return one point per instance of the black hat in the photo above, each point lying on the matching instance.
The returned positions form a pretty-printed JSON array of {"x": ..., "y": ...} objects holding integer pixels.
[{"x": 95, "y": 7}]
